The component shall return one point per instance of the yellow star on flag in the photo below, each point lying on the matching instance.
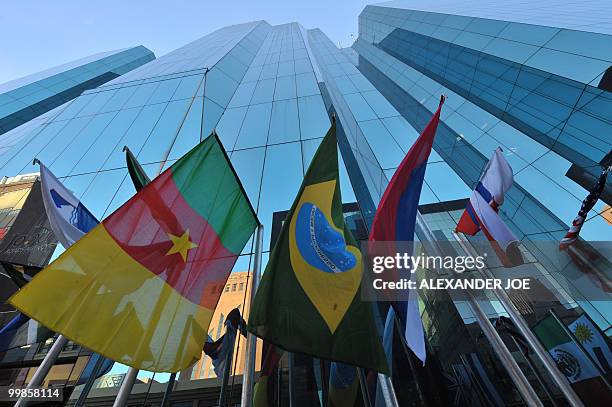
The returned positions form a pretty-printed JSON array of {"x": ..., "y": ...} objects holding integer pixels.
[{"x": 181, "y": 244}]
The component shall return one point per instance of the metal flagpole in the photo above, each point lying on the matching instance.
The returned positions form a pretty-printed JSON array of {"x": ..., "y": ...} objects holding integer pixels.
[
  {"x": 44, "y": 367},
  {"x": 291, "y": 364},
  {"x": 520, "y": 323},
  {"x": 387, "y": 390},
  {"x": 503, "y": 353},
  {"x": 227, "y": 370},
  {"x": 126, "y": 387},
  {"x": 535, "y": 372},
  {"x": 90, "y": 381},
  {"x": 499, "y": 347},
  {"x": 246, "y": 399},
  {"x": 168, "y": 392},
  {"x": 364, "y": 386}
]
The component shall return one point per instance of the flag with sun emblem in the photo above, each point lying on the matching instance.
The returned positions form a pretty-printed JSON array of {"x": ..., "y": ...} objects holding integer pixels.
[
  {"x": 140, "y": 288},
  {"x": 308, "y": 299},
  {"x": 573, "y": 361}
]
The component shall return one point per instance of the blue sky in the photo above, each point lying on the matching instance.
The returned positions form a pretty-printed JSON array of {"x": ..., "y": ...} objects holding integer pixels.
[{"x": 39, "y": 34}]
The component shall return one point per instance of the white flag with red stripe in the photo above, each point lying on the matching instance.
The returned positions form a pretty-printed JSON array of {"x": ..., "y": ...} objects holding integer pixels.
[{"x": 481, "y": 212}]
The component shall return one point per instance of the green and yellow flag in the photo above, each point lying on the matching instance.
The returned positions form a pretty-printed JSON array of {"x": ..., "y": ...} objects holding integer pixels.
[
  {"x": 140, "y": 288},
  {"x": 308, "y": 299}
]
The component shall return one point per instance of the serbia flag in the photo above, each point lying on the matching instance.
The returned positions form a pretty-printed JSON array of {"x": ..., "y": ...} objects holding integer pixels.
[{"x": 396, "y": 217}]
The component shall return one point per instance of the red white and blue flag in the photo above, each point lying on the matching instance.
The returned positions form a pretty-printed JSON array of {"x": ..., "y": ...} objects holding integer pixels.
[
  {"x": 587, "y": 204},
  {"x": 395, "y": 220},
  {"x": 482, "y": 210}
]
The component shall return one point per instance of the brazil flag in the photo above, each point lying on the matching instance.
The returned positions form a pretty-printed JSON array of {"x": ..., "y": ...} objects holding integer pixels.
[{"x": 308, "y": 299}]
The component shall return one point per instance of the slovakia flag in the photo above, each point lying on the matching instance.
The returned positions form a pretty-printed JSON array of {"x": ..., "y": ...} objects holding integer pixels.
[
  {"x": 395, "y": 220},
  {"x": 482, "y": 210}
]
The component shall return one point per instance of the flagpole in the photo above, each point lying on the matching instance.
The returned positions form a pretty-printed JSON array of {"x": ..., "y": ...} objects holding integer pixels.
[
  {"x": 291, "y": 374},
  {"x": 44, "y": 367},
  {"x": 246, "y": 399},
  {"x": 499, "y": 347},
  {"x": 228, "y": 368},
  {"x": 387, "y": 390},
  {"x": 126, "y": 387},
  {"x": 363, "y": 386},
  {"x": 166, "y": 399},
  {"x": 548, "y": 362}
]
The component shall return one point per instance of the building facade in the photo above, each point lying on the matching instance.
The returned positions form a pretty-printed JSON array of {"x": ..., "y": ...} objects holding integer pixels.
[
  {"x": 524, "y": 84},
  {"x": 235, "y": 294},
  {"x": 26, "y": 98}
]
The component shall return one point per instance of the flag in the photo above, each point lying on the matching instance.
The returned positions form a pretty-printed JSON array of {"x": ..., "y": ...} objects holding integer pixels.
[
  {"x": 388, "y": 346},
  {"x": 482, "y": 210},
  {"x": 587, "y": 204},
  {"x": 264, "y": 391},
  {"x": 218, "y": 350},
  {"x": 137, "y": 174},
  {"x": 307, "y": 301},
  {"x": 572, "y": 362},
  {"x": 138, "y": 287},
  {"x": 222, "y": 348},
  {"x": 593, "y": 341},
  {"x": 68, "y": 217},
  {"x": 343, "y": 385},
  {"x": 395, "y": 220},
  {"x": 22, "y": 331}
]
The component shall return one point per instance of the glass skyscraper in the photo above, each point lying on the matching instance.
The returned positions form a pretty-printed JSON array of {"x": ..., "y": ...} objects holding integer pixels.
[
  {"x": 26, "y": 98},
  {"x": 537, "y": 84}
]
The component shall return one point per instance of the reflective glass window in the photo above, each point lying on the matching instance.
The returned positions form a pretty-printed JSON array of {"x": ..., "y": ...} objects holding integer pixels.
[
  {"x": 264, "y": 91},
  {"x": 285, "y": 125},
  {"x": 219, "y": 87},
  {"x": 385, "y": 149},
  {"x": 314, "y": 121},
  {"x": 164, "y": 91},
  {"x": 285, "y": 88},
  {"x": 286, "y": 68},
  {"x": 229, "y": 126},
  {"x": 282, "y": 177},
  {"x": 243, "y": 94},
  {"x": 164, "y": 132},
  {"x": 75, "y": 148},
  {"x": 106, "y": 142},
  {"x": 99, "y": 100},
  {"x": 188, "y": 86},
  {"x": 359, "y": 107},
  {"x": 249, "y": 167},
  {"x": 306, "y": 84},
  {"x": 119, "y": 99},
  {"x": 254, "y": 130},
  {"x": 142, "y": 94}
]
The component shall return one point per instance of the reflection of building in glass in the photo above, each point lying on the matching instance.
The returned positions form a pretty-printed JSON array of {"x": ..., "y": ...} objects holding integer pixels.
[
  {"x": 110, "y": 380},
  {"x": 529, "y": 86},
  {"x": 13, "y": 193}
]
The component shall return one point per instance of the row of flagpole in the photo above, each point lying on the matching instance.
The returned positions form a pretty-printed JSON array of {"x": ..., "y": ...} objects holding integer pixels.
[{"x": 522, "y": 384}]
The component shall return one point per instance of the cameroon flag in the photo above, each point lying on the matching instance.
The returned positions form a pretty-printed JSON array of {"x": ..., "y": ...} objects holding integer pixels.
[
  {"x": 308, "y": 301},
  {"x": 140, "y": 288}
]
